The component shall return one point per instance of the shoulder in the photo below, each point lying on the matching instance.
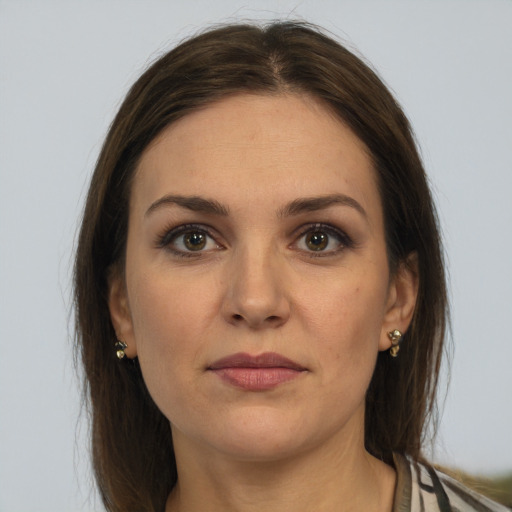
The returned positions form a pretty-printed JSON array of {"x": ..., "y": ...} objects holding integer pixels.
[
  {"x": 420, "y": 488},
  {"x": 462, "y": 498}
]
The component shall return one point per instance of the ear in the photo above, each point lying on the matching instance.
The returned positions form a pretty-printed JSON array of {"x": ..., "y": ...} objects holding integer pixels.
[
  {"x": 120, "y": 312},
  {"x": 402, "y": 295}
]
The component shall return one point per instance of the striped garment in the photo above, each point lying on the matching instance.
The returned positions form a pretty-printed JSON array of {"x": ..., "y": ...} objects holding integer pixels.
[{"x": 420, "y": 488}]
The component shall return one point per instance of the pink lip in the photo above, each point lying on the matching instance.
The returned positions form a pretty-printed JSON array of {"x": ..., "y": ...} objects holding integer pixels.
[{"x": 256, "y": 373}]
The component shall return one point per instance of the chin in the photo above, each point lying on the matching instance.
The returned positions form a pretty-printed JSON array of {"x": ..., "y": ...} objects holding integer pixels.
[
  {"x": 263, "y": 436},
  {"x": 260, "y": 448}
]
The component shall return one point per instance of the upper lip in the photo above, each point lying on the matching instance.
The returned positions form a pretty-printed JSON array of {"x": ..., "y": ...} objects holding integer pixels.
[{"x": 265, "y": 360}]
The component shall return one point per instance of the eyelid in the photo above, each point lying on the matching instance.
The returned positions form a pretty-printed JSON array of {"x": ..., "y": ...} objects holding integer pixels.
[
  {"x": 167, "y": 236},
  {"x": 344, "y": 239}
]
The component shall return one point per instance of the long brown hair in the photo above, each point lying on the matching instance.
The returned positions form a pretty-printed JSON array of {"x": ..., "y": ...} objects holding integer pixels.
[{"x": 131, "y": 440}]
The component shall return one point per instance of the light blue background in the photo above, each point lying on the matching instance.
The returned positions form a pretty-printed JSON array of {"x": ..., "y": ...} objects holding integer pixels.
[{"x": 65, "y": 67}]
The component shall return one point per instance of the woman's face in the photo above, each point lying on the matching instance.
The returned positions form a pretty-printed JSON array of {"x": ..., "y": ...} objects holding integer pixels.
[{"x": 257, "y": 293}]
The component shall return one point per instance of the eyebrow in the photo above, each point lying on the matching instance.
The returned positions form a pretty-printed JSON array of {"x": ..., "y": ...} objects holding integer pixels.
[
  {"x": 312, "y": 204},
  {"x": 193, "y": 203},
  {"x": 295, "y": 207}
]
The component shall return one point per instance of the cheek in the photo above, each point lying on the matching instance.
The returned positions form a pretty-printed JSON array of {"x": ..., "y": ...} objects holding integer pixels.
[
  {"x": 170, "y": 317},
  {"x": 167, "y": 308},
  {"x": 162, "y": 337},
  {"x": 346, "y": 321}
]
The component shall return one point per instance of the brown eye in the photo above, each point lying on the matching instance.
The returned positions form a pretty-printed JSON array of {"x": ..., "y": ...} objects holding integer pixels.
[
  {"x": 322, "y": 240},
  {"x": 194, "y": 241},
  {"x": 188, "y": 240},
  {"x": 317, "y": 241}
]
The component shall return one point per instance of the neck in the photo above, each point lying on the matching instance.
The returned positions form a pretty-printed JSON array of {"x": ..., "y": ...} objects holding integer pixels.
[{"x": 332, "y": 478}]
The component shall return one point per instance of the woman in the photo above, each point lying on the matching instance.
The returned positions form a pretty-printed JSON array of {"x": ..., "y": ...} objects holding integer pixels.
[{"x": 259, "y": 286}]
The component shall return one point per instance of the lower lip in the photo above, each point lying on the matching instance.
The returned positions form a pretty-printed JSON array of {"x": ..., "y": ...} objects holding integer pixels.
[{"x": 257, "y": 379}]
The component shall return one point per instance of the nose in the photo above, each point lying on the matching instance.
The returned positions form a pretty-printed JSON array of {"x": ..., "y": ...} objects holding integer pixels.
[{"x": 256, "y": 296}]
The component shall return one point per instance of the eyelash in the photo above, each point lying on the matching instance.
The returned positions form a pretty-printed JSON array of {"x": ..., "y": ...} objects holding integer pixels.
[
  {"x": 170, "y": 235},
  {"x": 345, "y": 242}
]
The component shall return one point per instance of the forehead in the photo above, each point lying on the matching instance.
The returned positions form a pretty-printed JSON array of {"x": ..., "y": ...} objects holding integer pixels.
[{"x": 246, "y": 146}]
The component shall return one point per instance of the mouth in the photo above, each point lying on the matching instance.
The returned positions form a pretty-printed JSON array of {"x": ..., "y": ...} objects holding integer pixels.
[{"x": 256, "y": 373}]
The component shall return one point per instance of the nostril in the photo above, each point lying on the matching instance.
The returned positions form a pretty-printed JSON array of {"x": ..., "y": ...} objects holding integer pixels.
[{"x": 271, "y": 318}]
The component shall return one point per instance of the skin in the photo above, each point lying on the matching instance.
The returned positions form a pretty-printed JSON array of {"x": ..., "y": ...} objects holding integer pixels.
[{"x": 257, "y": 286}]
